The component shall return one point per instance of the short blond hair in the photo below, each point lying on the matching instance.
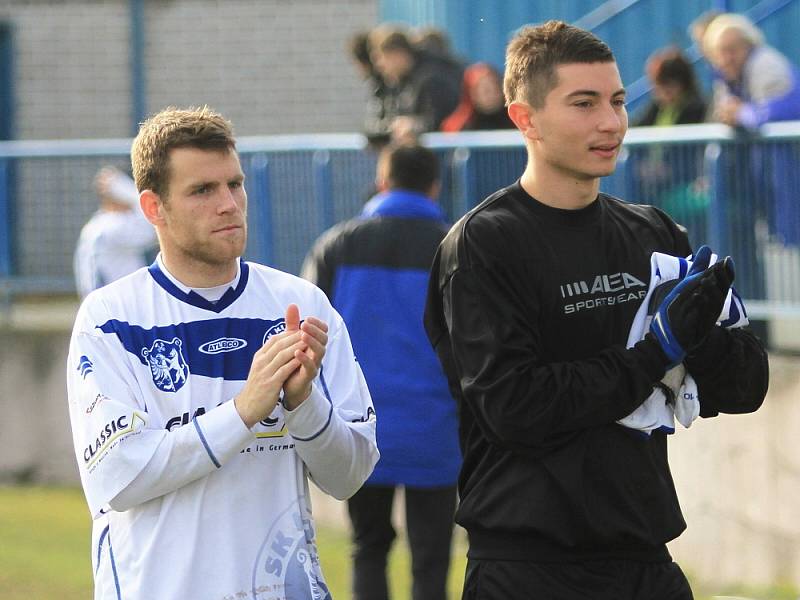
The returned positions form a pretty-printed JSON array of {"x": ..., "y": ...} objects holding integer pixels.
[
  {"x": 731, "y": 22},
  {"x": 175, "y": 128},
  {"x": 534, "y": 53}
]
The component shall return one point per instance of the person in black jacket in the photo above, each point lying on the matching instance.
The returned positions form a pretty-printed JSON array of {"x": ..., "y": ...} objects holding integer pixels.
[
  {"x": 531, "y": 300},
  {"x": 374, "y": 269},
  {"x": 422, "y": 88}
]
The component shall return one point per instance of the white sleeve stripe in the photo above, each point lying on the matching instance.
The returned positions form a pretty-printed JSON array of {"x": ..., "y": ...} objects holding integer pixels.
[{"x": 205, "y": 443}]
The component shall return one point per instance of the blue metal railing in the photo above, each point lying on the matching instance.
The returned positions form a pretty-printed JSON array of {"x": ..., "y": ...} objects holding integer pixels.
[
  {"x": 736, "y": 193},
  {"x": 642, "y": 86}
]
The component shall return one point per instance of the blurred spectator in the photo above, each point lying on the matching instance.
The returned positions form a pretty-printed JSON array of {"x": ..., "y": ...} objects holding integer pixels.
[
  {"x": 758, "y": 83},
  {"x": 482, "y": 104},
  {"x": 670, "y": 176},
  {"x": 697, "y": 28},
  {"x": 676, "y": 97},
  {"x": 422, "y": 88},
  {"x": 375, "y": 127},
  {"x": 432, "y": 40},
  {"x": 117, "y": 239},
  {"x": 374, "y": 269}
]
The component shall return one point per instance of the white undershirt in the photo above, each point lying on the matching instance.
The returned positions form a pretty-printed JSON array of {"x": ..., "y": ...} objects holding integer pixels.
[{"x": 212, "y": 294}]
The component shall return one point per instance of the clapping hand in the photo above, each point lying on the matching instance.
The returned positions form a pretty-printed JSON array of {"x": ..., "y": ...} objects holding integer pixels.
[{"x": 314, "y": 337}]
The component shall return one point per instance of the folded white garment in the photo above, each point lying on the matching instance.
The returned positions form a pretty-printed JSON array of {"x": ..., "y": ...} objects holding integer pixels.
[{"x": 676, "y": 397}]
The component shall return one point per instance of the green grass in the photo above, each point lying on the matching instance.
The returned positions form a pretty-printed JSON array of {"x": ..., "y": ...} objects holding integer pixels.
[{"x": 45, "y": 539}]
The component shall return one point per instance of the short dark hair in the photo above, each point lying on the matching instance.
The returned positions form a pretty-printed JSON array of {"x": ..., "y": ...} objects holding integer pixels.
[
  {"x": 534, "y": 53},
  {"x": 172, "y": 128},
  {"x": 670, "y": 65},
  {"x": 409, "y": 167}
]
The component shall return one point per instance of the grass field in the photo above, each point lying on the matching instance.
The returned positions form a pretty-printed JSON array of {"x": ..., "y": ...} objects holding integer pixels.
[{"x": 45, "y": 538}]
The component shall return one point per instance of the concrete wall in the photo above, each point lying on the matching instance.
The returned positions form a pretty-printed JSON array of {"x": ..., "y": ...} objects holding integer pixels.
[
  {"x": 738, "y": 476},
  {"x": 271, "y": 66}
]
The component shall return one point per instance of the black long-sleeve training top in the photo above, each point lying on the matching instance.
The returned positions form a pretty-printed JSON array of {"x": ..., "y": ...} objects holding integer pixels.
[{"x": 529, "y": 309}]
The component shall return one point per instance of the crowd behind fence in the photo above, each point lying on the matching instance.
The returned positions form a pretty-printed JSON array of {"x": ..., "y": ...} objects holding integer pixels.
[{"x": 739, "y": 193}]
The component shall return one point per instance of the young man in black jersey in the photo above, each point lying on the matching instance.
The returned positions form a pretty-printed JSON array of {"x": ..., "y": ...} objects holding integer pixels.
[{"x": 530, "y": 303}]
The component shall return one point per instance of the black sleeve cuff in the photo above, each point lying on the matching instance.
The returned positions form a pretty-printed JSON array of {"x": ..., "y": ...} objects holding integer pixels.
[
  {"x": 710, "y": 351},
  {"x": 653, "y": 359}
]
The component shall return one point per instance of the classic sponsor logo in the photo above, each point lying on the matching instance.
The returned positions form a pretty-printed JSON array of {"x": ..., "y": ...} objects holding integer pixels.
[
  {"x": 109, "y": 434},
  {"x": 288, "y": 559},
  {"x": 274, "y": 330},
  {"x": 223, "y": 345},
  {"x": 622, "y": 287},
  {"x": 167, "y": 365}
]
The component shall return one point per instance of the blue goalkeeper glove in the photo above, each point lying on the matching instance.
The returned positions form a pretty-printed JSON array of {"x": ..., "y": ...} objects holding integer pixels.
[{"x": 688, "y": 313}]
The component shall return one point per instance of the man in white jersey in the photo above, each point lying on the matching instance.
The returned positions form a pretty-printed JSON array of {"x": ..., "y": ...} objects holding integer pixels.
[
  {"x": 117, "y": 239},
  {"x": 201, "y": 402}
]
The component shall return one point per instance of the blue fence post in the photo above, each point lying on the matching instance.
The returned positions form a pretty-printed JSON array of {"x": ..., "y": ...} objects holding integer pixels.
[
  {"x": 137, "y": 63},
  {"x": 717, "y": 189},
  {"x": 261, "y": 209},
  {"x": 6, "y": 220},
  {"x": 323, "y": 190},
  {"x": 464, "y": 181}
]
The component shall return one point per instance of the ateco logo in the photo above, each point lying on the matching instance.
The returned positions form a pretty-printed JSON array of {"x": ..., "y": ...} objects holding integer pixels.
[{"x": 223, "y": 345}]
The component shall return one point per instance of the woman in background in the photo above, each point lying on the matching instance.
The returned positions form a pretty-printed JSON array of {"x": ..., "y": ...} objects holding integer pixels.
[
  {"x": 482, "y": 105},
  {"x": 671, "y": 176},
  {"x": 676, "y": 97}
]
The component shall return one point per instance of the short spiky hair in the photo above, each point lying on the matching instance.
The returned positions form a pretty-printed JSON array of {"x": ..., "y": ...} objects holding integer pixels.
[
  {"x": 534, "y": 53},
  {"x": 175, "y": 128}
]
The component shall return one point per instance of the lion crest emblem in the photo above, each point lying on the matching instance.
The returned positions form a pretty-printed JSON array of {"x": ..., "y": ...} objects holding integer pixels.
[{"x": 167, "y": 365}]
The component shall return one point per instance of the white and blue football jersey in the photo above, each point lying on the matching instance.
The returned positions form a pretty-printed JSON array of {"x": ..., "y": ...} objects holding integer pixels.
[{"x": 187, "y": 501}]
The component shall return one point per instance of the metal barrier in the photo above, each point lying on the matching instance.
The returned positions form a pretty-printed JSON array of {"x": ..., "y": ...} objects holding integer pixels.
[{"x": 739, "y": 193}]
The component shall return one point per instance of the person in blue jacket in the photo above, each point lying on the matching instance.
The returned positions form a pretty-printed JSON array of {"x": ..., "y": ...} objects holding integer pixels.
[{"x": 374, "y": 269}]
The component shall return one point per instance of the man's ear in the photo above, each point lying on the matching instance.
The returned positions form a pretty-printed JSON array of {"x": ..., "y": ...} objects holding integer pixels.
[
  {"x": 434, "y": 190},
  {"x": 521, "y": 114},
  {"x": 152, "y": 207}
]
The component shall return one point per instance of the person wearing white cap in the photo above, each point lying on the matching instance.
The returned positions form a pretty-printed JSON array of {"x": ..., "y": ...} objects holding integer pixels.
[{"x": 117, "y": 238}]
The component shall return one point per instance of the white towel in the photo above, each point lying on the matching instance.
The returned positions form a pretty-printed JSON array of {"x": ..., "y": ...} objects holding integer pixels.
[{"x": 676, "y": 397}]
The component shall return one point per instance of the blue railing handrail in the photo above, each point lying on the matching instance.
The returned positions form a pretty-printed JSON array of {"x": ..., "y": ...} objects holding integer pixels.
[
  {"x": 122, "y": 146},
  {"x": 759, "y": 12},
  {"x": 507, "y": 138},
  {"x": 604, "y": 13}
]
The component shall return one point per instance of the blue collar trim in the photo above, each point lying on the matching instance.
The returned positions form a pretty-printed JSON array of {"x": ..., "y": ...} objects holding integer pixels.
[
  {"x": 196, "y": 299},
  {"x": 403, "y": 203}
]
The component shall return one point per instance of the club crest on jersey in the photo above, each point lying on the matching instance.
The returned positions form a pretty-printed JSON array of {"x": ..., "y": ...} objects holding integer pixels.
[
  {"x": 279, "y": 327},
  {"x": 167, "y": 365}
]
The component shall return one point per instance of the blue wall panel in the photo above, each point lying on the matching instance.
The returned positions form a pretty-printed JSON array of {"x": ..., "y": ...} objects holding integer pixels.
[{"x": 480, "y": 29}]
